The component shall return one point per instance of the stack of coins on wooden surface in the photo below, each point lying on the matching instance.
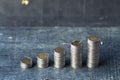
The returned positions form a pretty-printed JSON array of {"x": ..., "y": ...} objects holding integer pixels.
[
  {"x": 59, "y": 57},
  {"x": 76, "y": 54},
  {"x": 43, "y": 60},
  {"x": 93, "y": 51}
]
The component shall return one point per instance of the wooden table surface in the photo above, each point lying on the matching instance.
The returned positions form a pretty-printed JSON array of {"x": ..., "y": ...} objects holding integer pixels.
[{"x": 15, "y": 43}]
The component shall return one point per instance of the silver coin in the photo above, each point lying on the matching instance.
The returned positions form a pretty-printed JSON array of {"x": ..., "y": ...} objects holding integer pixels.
[
  {"x": 94, "y": 40},
  {"x": 93, "y": 51},
  {"x": 26, "y": 62},
  {"x": 59, "y": 52},
  {"x": 43, "y": 60},
  {"x": 76, "y": 54},
  {"x": 59, "y": 57}
]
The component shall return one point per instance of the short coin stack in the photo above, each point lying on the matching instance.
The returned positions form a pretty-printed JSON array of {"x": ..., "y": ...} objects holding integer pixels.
[
  {"x": 76, "y": 54},
  {"x": 26, "y": 62},
  {"x": 43, "y": 60},
  {"x": 93, "y": 51},
  {"x": 59, "y": 57}
]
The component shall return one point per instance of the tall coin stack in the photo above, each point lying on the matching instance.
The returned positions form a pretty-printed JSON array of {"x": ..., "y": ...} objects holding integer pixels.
[
  {"x": 43, "y": 60},
  {"x": 93, "y": 51},
  {"x": 76, "y": 54},
  {"x": 59, "y": 57}
]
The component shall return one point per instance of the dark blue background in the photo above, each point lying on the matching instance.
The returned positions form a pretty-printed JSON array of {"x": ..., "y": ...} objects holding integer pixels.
[{"x": 60, "y": 13}]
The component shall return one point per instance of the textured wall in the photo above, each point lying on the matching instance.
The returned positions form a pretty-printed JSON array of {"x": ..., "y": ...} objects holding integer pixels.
[{"x": 60, "y": 13}]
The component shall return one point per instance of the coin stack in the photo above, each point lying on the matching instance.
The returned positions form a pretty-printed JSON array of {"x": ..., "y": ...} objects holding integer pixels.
[
  {"x": 76, "y": 54},
  {"x": 26, "y": 62},
  {"x": 43, "y": 60},
  {"x": 59, "y": 57},
  {"x": 93, "y": 51}
]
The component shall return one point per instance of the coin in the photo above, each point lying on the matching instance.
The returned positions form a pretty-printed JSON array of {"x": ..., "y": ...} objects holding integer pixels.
[
  {"x": 93, "y": 51},
  {"x": 76, "y": 54},
  {"x": 59, "y": 57},
  {"x": 43, "y": 60},
  {"x": 26, "y": 62}
]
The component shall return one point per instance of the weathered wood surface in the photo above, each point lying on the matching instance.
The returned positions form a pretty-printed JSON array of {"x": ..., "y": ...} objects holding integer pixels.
[{"x": 16, "y": 43}]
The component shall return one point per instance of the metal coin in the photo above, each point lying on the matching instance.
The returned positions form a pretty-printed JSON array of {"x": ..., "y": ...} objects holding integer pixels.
[
  {"x": 93, "y": 51},
  {"x": 43, "y": 60},
  {"x": 26, "y": 62},
  {"x": 76, "y": 54},
  {"x": 59, "y": 57}
]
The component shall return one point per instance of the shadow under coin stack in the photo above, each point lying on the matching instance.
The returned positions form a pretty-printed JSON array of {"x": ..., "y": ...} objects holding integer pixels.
[
  {"x": 59, "y": 57},
  {"x": 43, "y": 60},
  {"x": 76, "y": 54},
  {"x": 93, "y": 51}
]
